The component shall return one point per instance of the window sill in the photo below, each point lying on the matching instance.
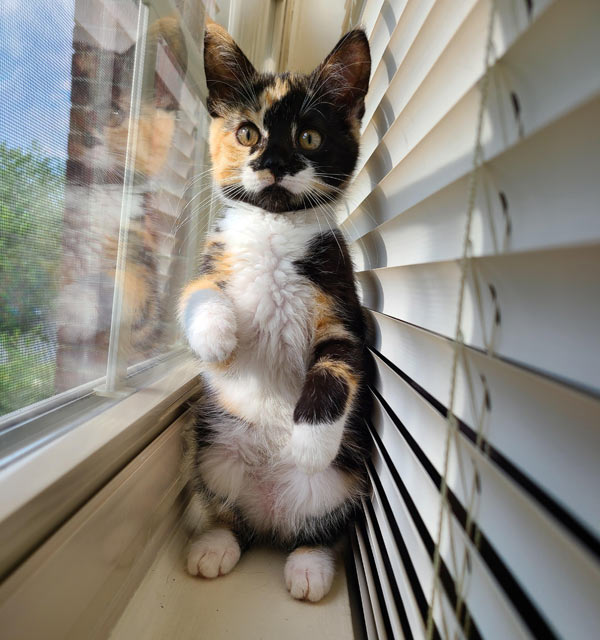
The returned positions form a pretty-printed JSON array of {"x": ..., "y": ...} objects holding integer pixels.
[
  {"x": 251, "y": 602},
  {"x": 41, "y": 490},
  {"x": 116, "y": 570}
]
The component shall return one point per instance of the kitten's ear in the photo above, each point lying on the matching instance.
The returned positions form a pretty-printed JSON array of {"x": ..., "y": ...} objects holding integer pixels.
[
  {"x": 227, "y": 70},
  {"x": 344, "y": 74}
]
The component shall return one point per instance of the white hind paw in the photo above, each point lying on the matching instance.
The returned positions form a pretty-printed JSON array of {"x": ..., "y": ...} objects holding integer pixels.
[
  {"x": 214, "y": 554},
  {"x": 309, "y": 573}
]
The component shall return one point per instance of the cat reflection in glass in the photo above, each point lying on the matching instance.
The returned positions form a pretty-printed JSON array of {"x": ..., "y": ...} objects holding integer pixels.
[{"x": 276, "y": 452}]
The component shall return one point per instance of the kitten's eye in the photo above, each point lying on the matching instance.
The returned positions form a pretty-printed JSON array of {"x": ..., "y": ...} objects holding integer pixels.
[
  {"x": 310, "y": 139},
  {"x": 248, "y": 135}
]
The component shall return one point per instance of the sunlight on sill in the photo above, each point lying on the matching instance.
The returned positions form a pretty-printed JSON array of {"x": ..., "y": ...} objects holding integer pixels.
[{"x": 250, "y": 602}]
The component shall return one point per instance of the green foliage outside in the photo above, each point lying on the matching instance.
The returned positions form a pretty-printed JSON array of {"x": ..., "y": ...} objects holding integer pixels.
[{"x": 31, "y": 216}]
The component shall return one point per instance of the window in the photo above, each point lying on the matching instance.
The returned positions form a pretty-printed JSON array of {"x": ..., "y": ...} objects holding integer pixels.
[{"x": 104, "y": 195}]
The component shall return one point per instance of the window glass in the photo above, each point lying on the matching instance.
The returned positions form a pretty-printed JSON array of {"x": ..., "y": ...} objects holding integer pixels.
[{"x": 102, "y": 189}]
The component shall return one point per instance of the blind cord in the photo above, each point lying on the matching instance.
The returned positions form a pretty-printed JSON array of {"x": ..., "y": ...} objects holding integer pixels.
[{"x": 452, "y": 431}]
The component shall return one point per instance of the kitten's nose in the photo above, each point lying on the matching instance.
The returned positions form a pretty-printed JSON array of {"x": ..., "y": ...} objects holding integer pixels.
[{"x": 276, "y": 165}]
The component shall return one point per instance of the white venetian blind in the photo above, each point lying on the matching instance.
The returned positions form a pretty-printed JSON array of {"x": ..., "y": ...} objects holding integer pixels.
[{"x": 483, "y": 521}]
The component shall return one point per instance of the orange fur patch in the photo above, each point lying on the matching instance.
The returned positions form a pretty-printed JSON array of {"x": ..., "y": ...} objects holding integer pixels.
[
  {"x": 221, "y": 271},
  {"x": 327, "y": 324},
  {"x": 222, "y": 266},
  {"x": 227, "y": 154},
  {"x": 339, "y": 370},
  {"x": 275, "y": 92},
  {"x": 196, "y": 285}
]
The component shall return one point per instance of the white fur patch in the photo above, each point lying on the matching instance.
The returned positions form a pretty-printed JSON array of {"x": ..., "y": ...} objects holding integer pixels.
[
  {"x": 271, "y": 491},
  {"x": 299, "y": 495},
  {"x": 223, "y": 470},
  {"x": 274, "y": 307},
  {"x": 309, "y": 573},
  {"x": 215, "y": 553},
  {"x": 298, "y": 183},
  {"x": 301, "y": 182},
  {"x": 196, "y": 514},
  {"x": 313, "y": 447},
  {"x": 211, "y": 328},
  {"x": 254, "y": 181}
]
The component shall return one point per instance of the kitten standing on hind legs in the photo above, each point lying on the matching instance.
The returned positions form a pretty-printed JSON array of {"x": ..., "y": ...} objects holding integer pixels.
[{"x": 277, "y": 449}]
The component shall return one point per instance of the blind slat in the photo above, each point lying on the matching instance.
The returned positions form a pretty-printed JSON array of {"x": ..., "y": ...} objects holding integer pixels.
[
  {"x": 389, "y": 14},
  {"x": 396, "y": 626},
  {"x": 370, "y": 579},
  {"x": 492, "y": 612},
  {"x": 414, "y": 544},
  {"x": 415, "y": 166},
  {"x": 363, "y": 589},
  {"x": 443, "y": 20},
  {"x": 521, "y": 203},
  {"x": 529, "y": 542},
  {"x": 406, "y": 30},
  {"x": 401, "y": 576},
  {"x": 538, "y": 425},
  {"x": 527, "y": 379},
  {"x": 505, "y": 295},
  {"x": 420, "y": 93},
  {"x": 369, "y": 15}
]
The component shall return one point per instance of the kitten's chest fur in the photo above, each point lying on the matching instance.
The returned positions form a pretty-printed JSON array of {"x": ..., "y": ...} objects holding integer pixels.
[{"x": 274, "y": 303}]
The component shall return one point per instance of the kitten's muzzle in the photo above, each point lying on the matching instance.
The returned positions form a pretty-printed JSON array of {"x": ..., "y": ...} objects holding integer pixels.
[{"x": 276, "y": 159}]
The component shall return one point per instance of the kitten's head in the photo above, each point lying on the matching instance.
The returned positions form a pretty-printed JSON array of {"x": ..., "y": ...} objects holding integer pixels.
[{"x": 289, "y": 141}]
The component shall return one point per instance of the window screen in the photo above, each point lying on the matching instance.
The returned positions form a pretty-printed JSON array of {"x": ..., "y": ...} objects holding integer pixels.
[
  {"x": 484, "y": 517},
  {"x": 104, "y": 198}
]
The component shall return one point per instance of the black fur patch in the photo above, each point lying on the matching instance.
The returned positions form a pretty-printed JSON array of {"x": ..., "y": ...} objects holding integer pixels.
[
  {"x": 338, "y": 349},
  {"x": 207, "y": 264},
  {"x": 328, "y": 266},
  {"x": 323, "y": 398}
]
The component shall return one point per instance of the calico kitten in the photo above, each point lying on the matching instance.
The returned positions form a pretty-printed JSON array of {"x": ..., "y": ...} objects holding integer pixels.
[{"x": 276, "y": 452}]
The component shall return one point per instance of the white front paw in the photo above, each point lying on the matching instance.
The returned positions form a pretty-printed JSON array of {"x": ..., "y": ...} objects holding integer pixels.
[
  {"x": 210, "y": 327},
  {"x": 214, "y": 554},
  {"x": 313, "y": 447},
  {"x": 309, "y": 573}
]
